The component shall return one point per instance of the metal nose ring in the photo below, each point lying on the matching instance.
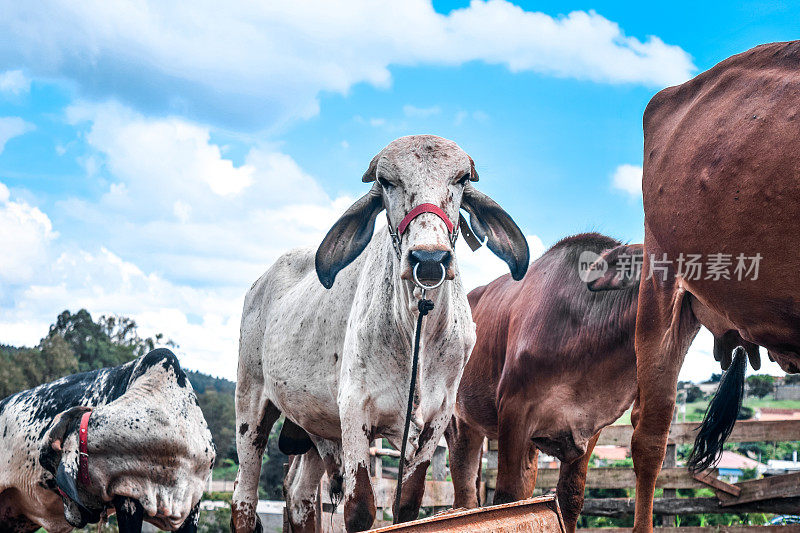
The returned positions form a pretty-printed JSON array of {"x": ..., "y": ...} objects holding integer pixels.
[{"x": 424, "y": 287}]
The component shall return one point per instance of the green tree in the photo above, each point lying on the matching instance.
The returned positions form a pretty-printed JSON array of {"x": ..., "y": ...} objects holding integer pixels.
[
  {"x": 56, "y": 359},
  {"x": 218, "y": 410},
  {"x": 12, "y": 379},
  {"x": 693, "y": 393},
  {"x": 792, "y": 379},
  {"x": 760, "y": 385},
  {"x": 270, "y": 483},
  {"x": 23, "y": 368},
  {"x": 111, "y": 341}
]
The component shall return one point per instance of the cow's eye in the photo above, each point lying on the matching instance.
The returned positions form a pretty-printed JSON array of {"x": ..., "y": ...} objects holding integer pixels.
[
  {"x": 464, "y": 179},
  {"x": 386, "y": 184}
]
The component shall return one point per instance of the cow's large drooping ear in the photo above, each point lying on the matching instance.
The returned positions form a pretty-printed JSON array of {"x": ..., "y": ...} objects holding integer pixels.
[
  {"x": 616, "y": 269},
  {"x": 68, "y": 485},
  {"x": 50, "y": 453},
  {"x": 503, "y": 235},
  {"x": 348, "y": 237}
]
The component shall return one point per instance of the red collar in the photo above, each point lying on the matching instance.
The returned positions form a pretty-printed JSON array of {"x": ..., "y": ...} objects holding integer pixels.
[
  {"x": 83, "y": 450},
  {"x": 424, "y": 208}
]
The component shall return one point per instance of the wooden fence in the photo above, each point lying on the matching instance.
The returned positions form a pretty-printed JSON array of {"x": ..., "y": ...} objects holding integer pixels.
[{"x": 776, "y": 494}]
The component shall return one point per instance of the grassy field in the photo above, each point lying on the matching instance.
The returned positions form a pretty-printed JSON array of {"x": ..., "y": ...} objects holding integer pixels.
[
  {"x": 767, "y": 402},
  {"x": 696, "y": 410}
]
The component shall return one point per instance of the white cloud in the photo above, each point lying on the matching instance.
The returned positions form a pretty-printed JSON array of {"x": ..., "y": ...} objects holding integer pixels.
[
  {"x": 628, "y": 178},
  {"x": 258, "y": 63},
  {"x": 420, "y": 112},
  {"x": 103, "y": 283},
  {"x": 11, "y": 127},
  {"x": 159, "y": 153},
  {"x": 186, "y": 211},
  {"x": 25, "y": 233},
  {"x": 14, "y": 82}
]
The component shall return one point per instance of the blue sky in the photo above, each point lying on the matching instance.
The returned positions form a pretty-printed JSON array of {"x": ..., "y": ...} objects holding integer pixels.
[{"x": 154, "y": 160}]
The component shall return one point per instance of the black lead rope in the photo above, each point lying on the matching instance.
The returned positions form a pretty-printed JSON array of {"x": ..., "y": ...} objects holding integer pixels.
[{"x": 424, "y": 307}]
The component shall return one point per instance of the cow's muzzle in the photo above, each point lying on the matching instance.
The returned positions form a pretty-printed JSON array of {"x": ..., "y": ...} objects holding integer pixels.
[{"x": 429, "y": 268}]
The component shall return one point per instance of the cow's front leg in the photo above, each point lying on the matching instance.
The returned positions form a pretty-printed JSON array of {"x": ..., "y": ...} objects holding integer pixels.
[
  {"x": 300, "y": 488},
  {"x": 516, "y": 455},
  {"x": 412, "y": 492},
  {"x": 359, "y": 499},
  {"x": 571, "y": 485},
  {"x": 255, "y": 415},
  {"x": 464, "y": 444},
  {"x": 129, "y": 514},
  {"x": 417, "y": 465}
]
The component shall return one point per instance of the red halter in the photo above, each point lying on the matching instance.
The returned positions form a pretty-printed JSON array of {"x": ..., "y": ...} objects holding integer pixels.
[
  {"x": 424, "y": 208},
  {"x": 83, "y": 450},
  {"x": 466, "y": 231}
]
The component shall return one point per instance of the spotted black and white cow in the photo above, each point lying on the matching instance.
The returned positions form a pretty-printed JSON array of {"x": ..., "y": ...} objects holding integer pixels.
[{"x": 148, "y": 450}]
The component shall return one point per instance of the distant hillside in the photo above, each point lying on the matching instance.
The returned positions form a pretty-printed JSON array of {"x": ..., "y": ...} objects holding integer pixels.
[{"x": 201, "y": 382}]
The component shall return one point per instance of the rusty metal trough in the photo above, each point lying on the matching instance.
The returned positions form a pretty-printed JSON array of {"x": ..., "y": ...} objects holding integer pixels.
[{"x": 535, "y": 515}]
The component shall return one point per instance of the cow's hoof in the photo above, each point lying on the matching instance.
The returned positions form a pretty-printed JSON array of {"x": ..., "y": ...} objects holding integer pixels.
[
  {"x": 502, "y": 497},
  {"x": 358, "y": 516},
  {"x": 407, "y": 513}
]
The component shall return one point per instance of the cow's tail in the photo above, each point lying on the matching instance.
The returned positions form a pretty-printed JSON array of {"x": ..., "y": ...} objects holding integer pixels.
[{"x": 720, "y": 415}]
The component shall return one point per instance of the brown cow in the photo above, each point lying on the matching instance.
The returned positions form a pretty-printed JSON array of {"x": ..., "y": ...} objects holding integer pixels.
[
  {"x": 721, "y": 175},
  {"x": 553, "y": 364}
]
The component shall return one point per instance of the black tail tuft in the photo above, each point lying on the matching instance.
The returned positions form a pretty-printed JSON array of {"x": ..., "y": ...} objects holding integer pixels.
[{"x": 720, "y": 415}]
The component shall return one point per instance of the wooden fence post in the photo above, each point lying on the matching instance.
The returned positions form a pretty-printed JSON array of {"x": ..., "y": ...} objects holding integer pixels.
[
  {"x": 376, "y": 471},
  {"x": 491, "y": 471},
  {"x": 439, "y": 470},
  {"x": 376, "y": 460}
]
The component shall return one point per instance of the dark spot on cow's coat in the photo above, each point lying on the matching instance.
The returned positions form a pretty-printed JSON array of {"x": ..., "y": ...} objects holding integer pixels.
[{"x": 425, "y": 435}]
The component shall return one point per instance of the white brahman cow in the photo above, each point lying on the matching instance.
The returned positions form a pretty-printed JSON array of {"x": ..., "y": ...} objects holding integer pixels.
[{"x": 335, "y": 358}]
